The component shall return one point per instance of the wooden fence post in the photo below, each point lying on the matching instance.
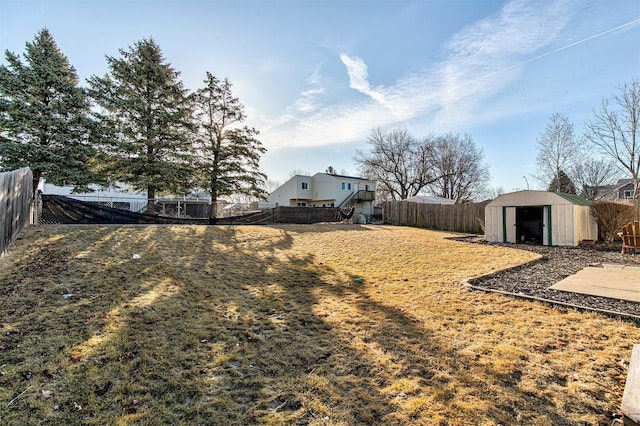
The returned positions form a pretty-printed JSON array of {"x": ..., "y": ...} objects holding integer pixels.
[{"x": 16, "y": 204}]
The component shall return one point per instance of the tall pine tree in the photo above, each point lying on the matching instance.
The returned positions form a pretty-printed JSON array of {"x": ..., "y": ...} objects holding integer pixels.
[
  {"x": 45, "y": 120},
  {"x": 150, "y": 114},
  {"x": 228, "y": 153}
]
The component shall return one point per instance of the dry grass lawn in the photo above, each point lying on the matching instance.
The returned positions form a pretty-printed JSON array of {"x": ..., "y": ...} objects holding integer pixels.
[{"x": 320, "y": 325}]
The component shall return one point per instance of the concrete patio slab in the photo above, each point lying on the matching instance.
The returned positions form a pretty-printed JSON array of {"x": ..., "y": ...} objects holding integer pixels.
[{"x": 608, "y": 280}]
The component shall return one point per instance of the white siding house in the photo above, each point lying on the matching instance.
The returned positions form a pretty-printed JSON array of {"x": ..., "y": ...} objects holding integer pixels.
[
  {"x": 547, "y": 218},
  {"x": 326, "y": 190},
  {"x": 120, "y": 195}
]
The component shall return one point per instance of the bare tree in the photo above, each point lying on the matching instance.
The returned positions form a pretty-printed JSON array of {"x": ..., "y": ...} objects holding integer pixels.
[
  {"x": 458, "y": 163},
  {"x": 492, "y": 192},
  {"x": 592, "y": 176},
  {"x": 400, "y": 163},
  {"x": 271, "y": 185},
  {"x": 558, "y": 149},
  {"x": 614, "y": 130}
]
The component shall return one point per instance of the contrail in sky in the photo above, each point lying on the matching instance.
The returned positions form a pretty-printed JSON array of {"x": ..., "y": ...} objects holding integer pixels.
[
  {"x": 575, "y": 43},
  {"x": 584, "y": 40}
]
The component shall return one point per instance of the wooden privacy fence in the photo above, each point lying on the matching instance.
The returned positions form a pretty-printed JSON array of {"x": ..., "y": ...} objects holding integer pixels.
[
  {"x": 15, "y": 204},
  {"x": 467, "y": 217}
]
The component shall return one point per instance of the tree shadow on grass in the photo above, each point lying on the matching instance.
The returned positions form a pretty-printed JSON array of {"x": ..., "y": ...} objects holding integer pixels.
[
  {"x": 323, "y": 228},
  {"x": 221, "y": 325}
]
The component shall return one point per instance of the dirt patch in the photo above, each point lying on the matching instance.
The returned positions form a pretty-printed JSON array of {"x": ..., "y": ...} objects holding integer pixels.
[{"x": 327, "y": 324}]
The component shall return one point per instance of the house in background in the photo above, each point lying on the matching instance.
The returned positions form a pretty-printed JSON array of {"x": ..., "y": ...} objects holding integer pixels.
[
  {"x": 122, "y": 196},
  {"x": 119, "y": 196},
  {"x": 624, "y": 189},
  {"x": 326, "y": 190},
  {"x": 621, "y": 190}
]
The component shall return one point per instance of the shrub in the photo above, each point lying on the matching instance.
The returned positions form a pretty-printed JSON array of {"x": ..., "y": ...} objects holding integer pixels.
[{"x": 611, "y": 216}]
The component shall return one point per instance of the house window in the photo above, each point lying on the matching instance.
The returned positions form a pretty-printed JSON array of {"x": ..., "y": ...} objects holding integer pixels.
[
  {"x": 305, "y": 185},
  {"x": 346, "y": 186},
  {"x": 628, "y": 194},
  {"x": 302, "y": 204},
  {"x": 367, "y": 187}
]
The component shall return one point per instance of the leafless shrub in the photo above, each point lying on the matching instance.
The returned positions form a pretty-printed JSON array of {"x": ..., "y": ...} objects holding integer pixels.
[{"x": 611, "y": 216}]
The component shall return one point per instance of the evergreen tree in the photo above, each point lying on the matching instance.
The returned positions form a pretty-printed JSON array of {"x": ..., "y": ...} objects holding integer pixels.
[
  {"x": 228, "y": 154},
  {"x": 562, "y": 184},
  {"x": 150, "y": 114},
  {"x": 45, "y": 121}
]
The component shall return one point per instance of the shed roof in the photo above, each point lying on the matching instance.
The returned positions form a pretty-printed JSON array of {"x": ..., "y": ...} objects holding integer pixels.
[
  {"x": 537, "y": 198},
  {"x": 575, "y": 199}
]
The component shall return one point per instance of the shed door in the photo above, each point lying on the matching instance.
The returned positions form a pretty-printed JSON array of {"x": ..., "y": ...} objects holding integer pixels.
[
  {"x": 510, "y": 224},
  {"x": 529, "y": 224}
]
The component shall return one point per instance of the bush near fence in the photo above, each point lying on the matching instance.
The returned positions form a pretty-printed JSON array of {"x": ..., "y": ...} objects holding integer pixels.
[
  {"x": 466, "y": 218},
  {"x": 15, "y": 204},
  {"x": 611, "y": 216}
]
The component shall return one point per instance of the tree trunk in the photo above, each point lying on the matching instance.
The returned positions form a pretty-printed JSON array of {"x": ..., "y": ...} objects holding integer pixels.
[
  {"x": 36, "y": 181},
  {"x": 636, "y": 198},
  {"x": 213, "y": 191},
  {"x": 151, "y": 200}
]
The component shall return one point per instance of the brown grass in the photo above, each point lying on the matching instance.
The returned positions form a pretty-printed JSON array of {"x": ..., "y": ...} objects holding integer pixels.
[{"x": 272, "y": 325}]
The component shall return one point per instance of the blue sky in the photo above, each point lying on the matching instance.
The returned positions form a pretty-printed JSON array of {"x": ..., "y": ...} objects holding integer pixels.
[{"x": 316, "y": 77}]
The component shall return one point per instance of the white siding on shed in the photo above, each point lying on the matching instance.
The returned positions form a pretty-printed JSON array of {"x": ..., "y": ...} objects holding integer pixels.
[
  {"x": 586, "y": 226},
  {"x": 562, "y": 225},
  {"x": 493, "y": 215}
]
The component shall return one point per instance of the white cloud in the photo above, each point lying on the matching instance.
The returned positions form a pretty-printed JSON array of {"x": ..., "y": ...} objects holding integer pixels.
[
  {"x": 306, "y": 102},
  {"x": 483, "y": 59},
  {"x": 359, "y": 77},
  {"x": 492, "y": 46}
]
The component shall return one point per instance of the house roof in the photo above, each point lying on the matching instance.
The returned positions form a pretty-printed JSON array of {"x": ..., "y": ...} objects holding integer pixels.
[
  {"x": 611, "y": 190},
  {"x": 623, "y": 182},
  {"x": 430, "y": 199},
  {"x": 344, "y": 176}
]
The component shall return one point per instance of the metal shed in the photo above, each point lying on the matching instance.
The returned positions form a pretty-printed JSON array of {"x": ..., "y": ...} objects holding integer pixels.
[{"x": 547, "y": 218}]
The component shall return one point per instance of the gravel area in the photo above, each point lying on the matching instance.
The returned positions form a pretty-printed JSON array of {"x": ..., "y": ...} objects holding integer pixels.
[{"x": 557, "y": 263}]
